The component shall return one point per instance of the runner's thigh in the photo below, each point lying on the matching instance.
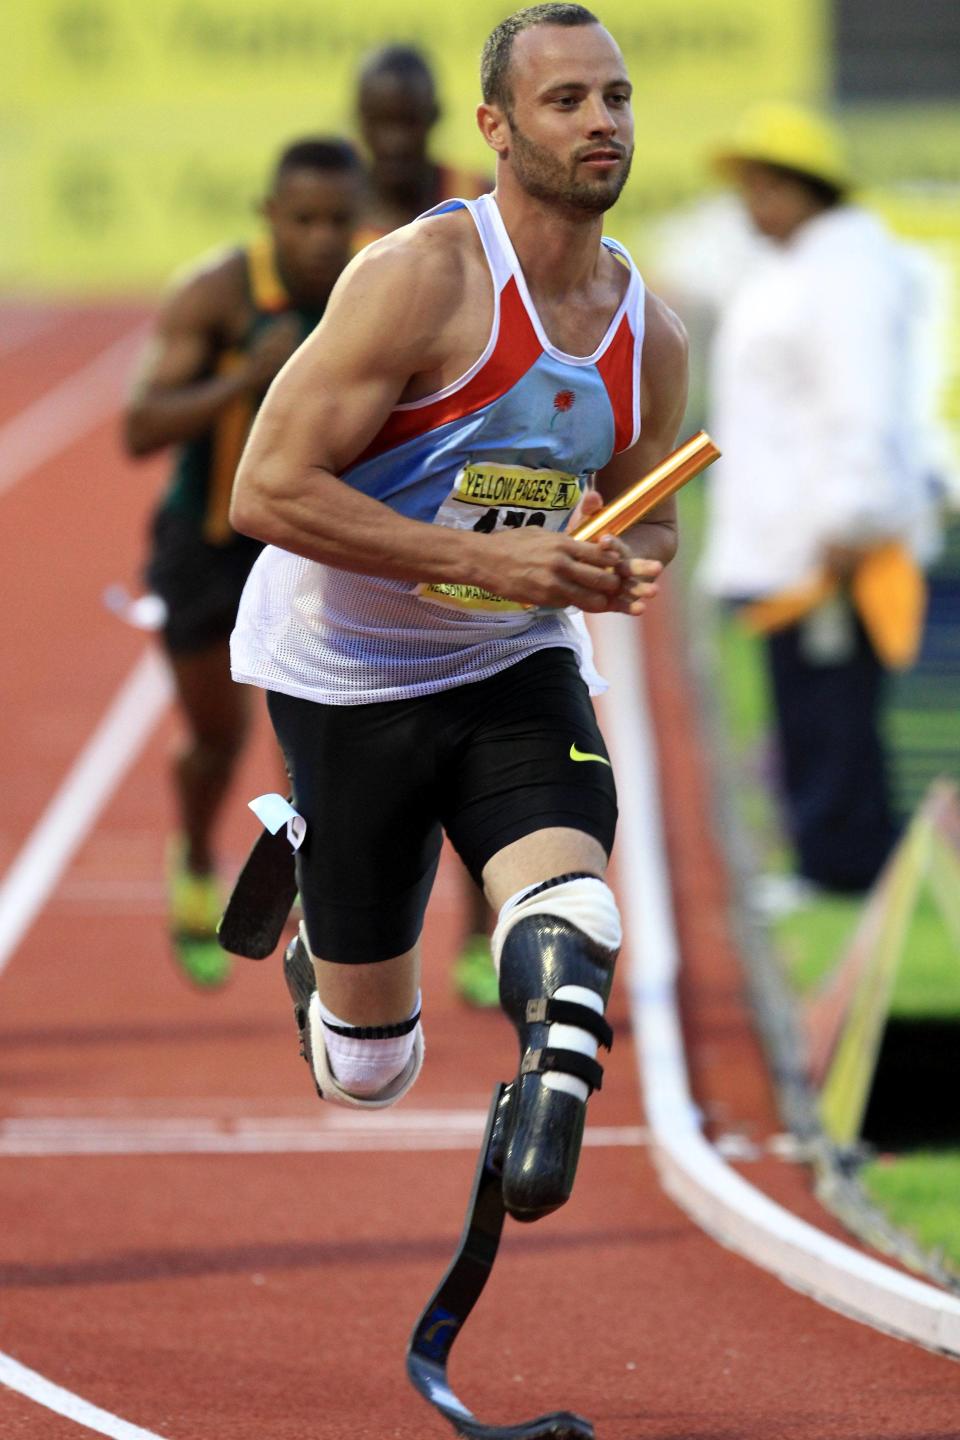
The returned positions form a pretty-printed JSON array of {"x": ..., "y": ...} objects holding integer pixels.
[{"x": 363, "y": 779}]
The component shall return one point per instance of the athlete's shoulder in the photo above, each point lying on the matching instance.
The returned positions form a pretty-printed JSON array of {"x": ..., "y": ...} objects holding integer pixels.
[
  {"x": 421, "y": 268},
  {"x": 442, "y": 239},
  {"x": 665, "y": 336},
  {"x": 663, "y": 375},
  {"x": 218, "y": 271}
]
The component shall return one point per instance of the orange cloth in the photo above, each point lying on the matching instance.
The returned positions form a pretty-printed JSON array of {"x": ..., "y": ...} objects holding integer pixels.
[
  {"x": 266, "y": 287},
  {"x": 887, "y": 589}
]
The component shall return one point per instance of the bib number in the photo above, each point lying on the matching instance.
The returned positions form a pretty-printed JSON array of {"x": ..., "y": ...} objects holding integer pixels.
[{"x": 489, "y": 497}]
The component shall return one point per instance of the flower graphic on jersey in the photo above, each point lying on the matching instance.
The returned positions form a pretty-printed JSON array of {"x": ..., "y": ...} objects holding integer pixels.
[{"x": 562, "y": 402}]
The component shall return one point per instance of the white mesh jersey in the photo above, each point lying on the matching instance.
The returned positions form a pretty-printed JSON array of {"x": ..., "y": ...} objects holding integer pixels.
[{"x": 514, "y": 441}]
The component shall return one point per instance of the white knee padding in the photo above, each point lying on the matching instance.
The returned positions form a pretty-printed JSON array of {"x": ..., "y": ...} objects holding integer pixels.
[
  {"x": 586, "y": 902},
  {"x": 331, "y": 1088}
]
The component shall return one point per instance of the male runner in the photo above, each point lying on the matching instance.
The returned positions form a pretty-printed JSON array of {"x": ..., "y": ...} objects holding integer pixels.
[
  {"x": 221, "y": 336},
  {"x": 411, "y": 472},
  {"x": 397, "y": 108}
]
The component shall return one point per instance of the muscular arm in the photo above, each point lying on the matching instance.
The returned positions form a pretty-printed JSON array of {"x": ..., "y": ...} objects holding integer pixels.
[
  {"x": 662, "y": 403},
  {"x": 392, "y": 317},
  {"x": 175, "y": 397}
]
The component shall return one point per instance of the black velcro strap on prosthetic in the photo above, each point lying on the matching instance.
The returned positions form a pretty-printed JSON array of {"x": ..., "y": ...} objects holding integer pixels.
[
  {"x": 561, "y": 880},
  {"x": 375, "y": 1032},
  {"x": 569, "y": 1012},
  {"x": 564, "y": 1062}
]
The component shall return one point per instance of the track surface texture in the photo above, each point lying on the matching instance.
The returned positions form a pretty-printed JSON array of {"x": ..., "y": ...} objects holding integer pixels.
[{"x": 191, "y": 1243}]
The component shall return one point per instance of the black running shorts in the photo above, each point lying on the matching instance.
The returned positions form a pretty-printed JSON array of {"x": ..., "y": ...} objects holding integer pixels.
[
  {"x": 487, "y": 763},
  {"x": 199, "y": 583}
]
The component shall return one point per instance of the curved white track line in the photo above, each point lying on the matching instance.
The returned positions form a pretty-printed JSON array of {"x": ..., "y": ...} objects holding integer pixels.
[
  {"x": 719, "y": 1199},
  {"x": 27, "y": 1382}
]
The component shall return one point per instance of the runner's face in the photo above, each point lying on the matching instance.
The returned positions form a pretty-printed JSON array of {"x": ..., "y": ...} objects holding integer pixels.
[
  {"x": 570, "y": 121},
  {"x": 312, "y": 215},
  {"x": 396, "y": 116}
]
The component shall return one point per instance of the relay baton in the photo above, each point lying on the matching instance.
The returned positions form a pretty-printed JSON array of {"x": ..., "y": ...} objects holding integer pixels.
[{"x": 664, "y": 480}]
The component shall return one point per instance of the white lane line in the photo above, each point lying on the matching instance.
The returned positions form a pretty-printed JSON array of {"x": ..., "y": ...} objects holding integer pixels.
[
  {"x": 69, "y": 411},
  {"x": 114, "y": 745},
  {"x": 56, "y": 1138},
  {"x": 716, "y": 1197},
  {"x": 27, "y": 1382}
]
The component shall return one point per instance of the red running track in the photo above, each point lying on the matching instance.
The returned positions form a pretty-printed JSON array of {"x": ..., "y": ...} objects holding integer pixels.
[{"x": 240, "y": 1286}]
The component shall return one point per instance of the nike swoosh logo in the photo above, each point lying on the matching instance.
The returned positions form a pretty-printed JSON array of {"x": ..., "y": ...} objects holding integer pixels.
[{"x": 576, "y": 754}]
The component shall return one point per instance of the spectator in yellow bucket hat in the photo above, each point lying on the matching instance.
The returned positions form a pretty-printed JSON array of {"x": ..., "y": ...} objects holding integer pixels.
[{"x": 821, "y": 506}]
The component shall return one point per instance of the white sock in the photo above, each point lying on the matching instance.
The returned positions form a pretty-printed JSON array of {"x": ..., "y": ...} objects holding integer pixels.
[{"x": 365, "y": 1067}]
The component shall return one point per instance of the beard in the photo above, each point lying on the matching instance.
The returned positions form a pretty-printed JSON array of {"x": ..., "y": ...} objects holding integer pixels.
[{"x": 544, "y": 177}]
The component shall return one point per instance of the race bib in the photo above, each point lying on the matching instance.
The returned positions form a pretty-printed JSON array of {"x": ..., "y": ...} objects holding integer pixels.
[{"x": 488, "y": 497}]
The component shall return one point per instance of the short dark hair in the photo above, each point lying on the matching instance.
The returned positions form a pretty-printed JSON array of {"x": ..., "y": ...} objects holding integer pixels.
[
  {"x": 495, "y": 56},
  {"x": 328, "y": 153},
  {"x": 404, "y": 62}
]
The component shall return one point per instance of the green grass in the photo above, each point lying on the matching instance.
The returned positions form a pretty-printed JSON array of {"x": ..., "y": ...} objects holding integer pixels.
[
  {"x": 928, "y": 977},
  {"x": 918, "y": 1191},
  {"x": 811, "y": 939}
]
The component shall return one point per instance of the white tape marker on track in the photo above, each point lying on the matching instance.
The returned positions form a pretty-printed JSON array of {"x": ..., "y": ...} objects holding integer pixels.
[
  {"x": 69, "y": 411},
  {"x": 715, "y": 1196},
  {"x": 111, "y": 749},
  {"x": 27, "y": 1382}
]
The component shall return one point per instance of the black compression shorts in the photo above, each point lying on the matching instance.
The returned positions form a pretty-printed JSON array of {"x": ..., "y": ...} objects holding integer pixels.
[
  {"x": 199, "y": 583},
  {"x": 487, "y": 762}
]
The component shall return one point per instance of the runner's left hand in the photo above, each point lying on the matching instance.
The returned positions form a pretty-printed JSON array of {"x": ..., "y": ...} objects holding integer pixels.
[{"x": 639, "y": 575}]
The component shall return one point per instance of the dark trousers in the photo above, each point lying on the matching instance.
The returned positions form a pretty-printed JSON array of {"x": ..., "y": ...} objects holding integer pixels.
[{"x": 832, "y": 763}]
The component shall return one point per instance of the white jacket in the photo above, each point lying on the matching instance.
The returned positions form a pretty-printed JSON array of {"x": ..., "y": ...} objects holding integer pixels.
[{"x": 817, "y": 407}]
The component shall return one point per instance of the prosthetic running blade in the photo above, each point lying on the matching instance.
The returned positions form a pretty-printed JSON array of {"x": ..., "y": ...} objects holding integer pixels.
[
  {"x": 458, "y": 1292},
  {"x": 261, "y": 900}
]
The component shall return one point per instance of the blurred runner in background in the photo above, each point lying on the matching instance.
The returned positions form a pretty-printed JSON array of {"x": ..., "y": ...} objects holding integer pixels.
[
  {"x": 397, "y": 108},
  {"x": 821, "y": 507},
  {"x": 224, "y": 331}
]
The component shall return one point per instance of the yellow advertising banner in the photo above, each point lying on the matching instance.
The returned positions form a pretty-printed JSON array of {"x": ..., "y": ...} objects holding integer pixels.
[{"x": 134, "y": 136}]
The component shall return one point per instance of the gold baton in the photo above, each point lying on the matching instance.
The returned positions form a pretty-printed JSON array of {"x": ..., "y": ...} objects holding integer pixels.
[{"x": 663, "y": 481}]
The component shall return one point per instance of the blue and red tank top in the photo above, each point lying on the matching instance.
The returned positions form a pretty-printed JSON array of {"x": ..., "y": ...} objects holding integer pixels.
[{"x": 514, "y": 441}]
